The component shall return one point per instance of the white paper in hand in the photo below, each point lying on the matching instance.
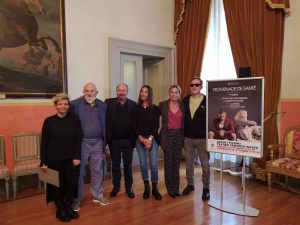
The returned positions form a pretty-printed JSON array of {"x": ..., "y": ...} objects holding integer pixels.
[{"x": 50, "y": 176}]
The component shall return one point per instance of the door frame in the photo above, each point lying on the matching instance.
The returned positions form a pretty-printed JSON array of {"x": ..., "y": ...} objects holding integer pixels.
[
  {"x": 138, "y": 61},
  {"x": 118, "y": 46}
]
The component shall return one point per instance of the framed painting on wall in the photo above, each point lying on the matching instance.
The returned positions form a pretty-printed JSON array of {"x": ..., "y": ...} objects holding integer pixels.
[{"x": 32, "y": 48}]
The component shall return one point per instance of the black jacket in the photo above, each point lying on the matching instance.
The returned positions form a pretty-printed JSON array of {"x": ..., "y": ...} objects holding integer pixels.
[
  {"x": 146, "y": 121},
  {"x": 195, "y": 128},
  {"x": 111, "y": 109},
  {"x": 61, "y": 138}
]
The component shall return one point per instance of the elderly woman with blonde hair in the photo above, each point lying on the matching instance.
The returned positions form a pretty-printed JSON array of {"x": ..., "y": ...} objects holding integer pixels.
[
  {"x": 60, "y": 151},
  {"x": 246, "y": 129}
]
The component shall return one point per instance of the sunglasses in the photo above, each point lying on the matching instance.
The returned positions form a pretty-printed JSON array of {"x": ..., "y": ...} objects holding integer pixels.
[{"x": 195, "y": 85}]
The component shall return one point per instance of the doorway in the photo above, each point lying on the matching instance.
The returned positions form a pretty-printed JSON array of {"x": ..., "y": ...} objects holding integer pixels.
[{"x": 137, "y": 64}]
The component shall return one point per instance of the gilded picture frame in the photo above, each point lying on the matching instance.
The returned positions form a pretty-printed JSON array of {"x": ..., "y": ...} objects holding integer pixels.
[{"x": 32, "y": 48}]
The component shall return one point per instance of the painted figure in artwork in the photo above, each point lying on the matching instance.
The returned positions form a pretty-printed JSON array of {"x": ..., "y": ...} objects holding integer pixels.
[{"x": 19, "y": 26}]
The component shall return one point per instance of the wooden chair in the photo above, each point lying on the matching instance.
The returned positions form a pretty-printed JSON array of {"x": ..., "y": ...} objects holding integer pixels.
[
  {"x": 26, "y": 156},
  {"x": 4, "y": 174},
  {"x": 286, "y": 162}
]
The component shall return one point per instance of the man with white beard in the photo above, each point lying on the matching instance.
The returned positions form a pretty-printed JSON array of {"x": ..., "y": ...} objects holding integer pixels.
[{"x": 92, "y": 114}]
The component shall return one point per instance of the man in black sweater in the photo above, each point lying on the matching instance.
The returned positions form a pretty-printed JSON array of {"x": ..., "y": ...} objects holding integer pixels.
[
  {"x": 120, "y": 138},
  {"x": 195, "y": 137}
]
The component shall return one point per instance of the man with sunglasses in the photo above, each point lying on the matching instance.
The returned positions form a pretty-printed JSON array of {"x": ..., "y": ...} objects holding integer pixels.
[{"x": 195, "y": 137}]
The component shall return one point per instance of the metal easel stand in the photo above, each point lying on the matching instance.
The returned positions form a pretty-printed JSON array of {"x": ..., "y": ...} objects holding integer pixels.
[
  {"x": 235, "y": 173},
  {"x": 233, "y": 207}
]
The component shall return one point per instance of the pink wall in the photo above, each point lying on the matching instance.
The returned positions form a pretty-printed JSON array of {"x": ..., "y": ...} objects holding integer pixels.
[
  {"x": 21, "y": 118},
  {"x": 291, "y": 117}
]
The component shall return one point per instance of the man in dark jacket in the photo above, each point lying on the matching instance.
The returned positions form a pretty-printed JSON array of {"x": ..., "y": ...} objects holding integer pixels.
[
  {"x": 120, "y": 138},
  {"x": 195, "y": 137}
]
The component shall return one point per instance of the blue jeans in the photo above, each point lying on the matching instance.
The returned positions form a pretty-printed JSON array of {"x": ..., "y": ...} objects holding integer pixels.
[{"x": 153, "y": 160}]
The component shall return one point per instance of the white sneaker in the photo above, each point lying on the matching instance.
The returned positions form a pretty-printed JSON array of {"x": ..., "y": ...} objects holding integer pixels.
[{"x": 101, "y": 200}]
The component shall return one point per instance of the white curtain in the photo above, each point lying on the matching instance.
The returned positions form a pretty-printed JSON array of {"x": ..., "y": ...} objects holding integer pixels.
[
  {"x": 217, "y": 65},
  {"x": 217, "y": 61}
]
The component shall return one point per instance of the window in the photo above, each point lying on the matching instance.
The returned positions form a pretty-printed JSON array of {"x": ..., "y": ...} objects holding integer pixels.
[{"x": 217, "y": 61}]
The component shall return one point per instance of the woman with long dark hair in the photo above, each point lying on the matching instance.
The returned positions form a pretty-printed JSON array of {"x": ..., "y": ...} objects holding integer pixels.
[{"x": 146, "y": 124}]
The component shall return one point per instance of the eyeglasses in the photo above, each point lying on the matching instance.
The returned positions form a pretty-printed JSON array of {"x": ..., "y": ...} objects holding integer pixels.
[{"x": 195, "y": 85}]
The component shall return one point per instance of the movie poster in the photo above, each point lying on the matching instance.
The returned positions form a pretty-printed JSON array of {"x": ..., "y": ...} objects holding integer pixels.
[{"x": 235, "y": 116}]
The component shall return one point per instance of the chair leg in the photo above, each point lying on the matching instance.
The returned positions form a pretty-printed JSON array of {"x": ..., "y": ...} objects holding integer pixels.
[
  {"x": 15, "y": 187},
  {"x": 7, "y": 188},
  {"x": 286, "y": 181},
  {"x": 45, "y": 187},
  {"x": 110, "y": 167},
  {"x": 269, "y": 181}
]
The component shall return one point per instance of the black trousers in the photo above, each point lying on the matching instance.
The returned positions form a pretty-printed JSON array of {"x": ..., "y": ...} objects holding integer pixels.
[
  {"x": 122, "y": 148},
  {"x": 68, "y": 181}
]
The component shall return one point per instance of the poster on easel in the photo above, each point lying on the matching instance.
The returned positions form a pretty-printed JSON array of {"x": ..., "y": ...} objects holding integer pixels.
[{"x": 234, "y": 120}]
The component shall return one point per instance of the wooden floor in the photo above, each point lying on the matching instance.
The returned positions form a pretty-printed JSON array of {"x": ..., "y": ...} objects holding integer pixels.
[{"x": 278, "y": 207}]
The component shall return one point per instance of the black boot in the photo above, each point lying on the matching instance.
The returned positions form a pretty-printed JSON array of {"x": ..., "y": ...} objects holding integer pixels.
[
  {"x": 60, "y": 212},
  {"x": 205, "y": 194},
  {"x": 146, "y": 190},
  {"x": 115, "y": 191},
  {"x": 188, "y": 189},
  {"x": 155, "y": 191},
  {"x": 130, "y": 192}
]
